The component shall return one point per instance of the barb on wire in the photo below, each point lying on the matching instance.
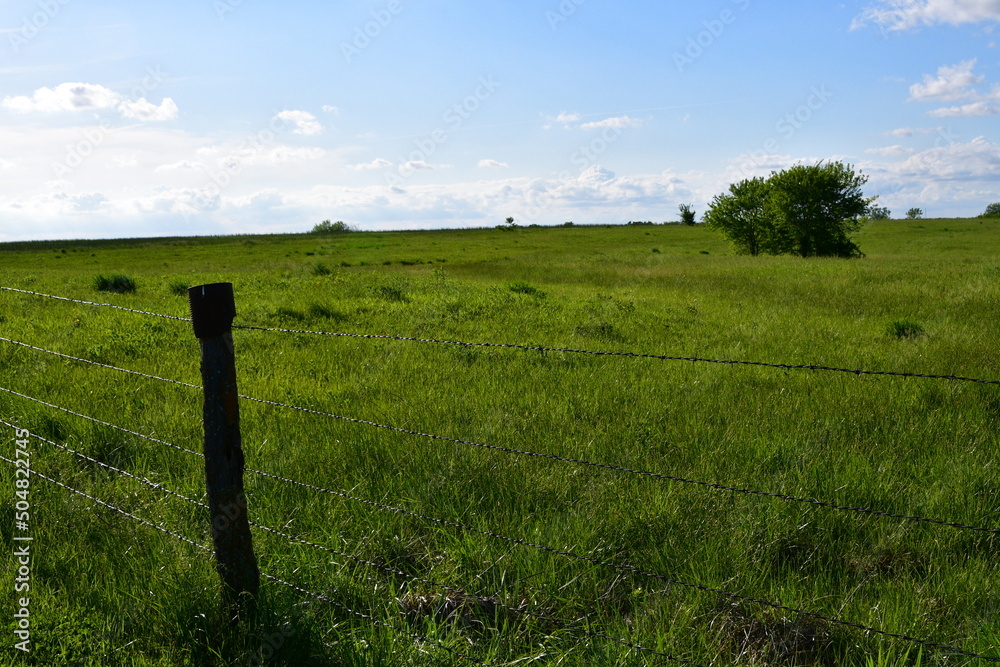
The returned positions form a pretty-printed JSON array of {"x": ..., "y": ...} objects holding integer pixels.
[
  {"x": 633, "y": 355},
  {"x": 625, "y": 568},
  {"x": 632, "y": 471},
  {"x": 111, "y": 507},
  {"x": 101, "y": 422},
  {"x": 357, "y": 559},
  {"x": 539, "y": 348},
  {"x": 93, "y": 303},
  {"x": 97, "y": 363},
  {"x": 207, "y": 549},
  {"x": 552, "y": 457}
]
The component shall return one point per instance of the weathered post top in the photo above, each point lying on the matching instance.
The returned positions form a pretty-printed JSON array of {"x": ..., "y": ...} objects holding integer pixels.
[{"x": 213, "y": 308}]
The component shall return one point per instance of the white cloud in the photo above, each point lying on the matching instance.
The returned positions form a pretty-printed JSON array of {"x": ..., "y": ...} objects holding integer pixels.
[
  {"x": 952, "y": 83},
  {"x": 489, "y": 162},
  {"x": 302, "y": 122},
  {"x": 890, "y": 151},
  {"x": 377, "y": 163},
  {"x": 144, "y": 110},
  {"x": 181, "y": 165},
  {"x": 89, "y": 97},
  {"x": 967, "y": 110},
  {"x": 6, "y": 164},
  {"x": 908, "y": 14},
  {"x": 64, "y": 97},
  {"x": 331, "y": 109},
  {"x": 414, "y": 165},
  {"x": 567, "y": 118},
  {"x": 618, "y": 122}
]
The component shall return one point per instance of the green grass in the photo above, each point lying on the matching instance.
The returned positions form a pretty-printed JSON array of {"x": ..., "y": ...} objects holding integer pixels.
[{"x": 110, "y": 591}]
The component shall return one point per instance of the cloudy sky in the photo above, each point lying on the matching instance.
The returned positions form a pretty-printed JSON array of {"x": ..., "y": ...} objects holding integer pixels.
[{"x": 236, "y": 116}]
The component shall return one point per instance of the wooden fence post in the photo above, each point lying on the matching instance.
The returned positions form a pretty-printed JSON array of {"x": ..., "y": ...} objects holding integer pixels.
[{"x": 212, "y": 311}]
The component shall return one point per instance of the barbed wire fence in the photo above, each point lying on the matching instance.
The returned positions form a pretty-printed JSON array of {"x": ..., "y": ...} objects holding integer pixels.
[{"x": 578, "y": 626}]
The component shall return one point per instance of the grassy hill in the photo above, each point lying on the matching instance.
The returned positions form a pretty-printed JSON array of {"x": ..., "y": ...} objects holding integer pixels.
[{"x": 109, "y": 590}]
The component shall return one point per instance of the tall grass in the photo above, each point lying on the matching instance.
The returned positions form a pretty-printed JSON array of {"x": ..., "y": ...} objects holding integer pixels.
[{"x": 110, "y": 591}]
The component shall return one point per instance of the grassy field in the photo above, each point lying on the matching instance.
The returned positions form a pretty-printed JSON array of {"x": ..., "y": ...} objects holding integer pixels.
[{"x": 107, "y": 590}]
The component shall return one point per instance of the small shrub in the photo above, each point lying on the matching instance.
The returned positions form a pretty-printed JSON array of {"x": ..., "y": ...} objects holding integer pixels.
[
  {"x": 905, "y": 329},
  {"x": 914, "y": 214},
  {"x": 521, "y": 287},
  {"x": 656, "y": 251},
  {"x": 327, "y": 227},
  {"x": 321, "y": 270},
  {"x": 688, "y": 216},
  {"x": 878, "y": 212},
  {"x": 390, "y": 293},
  {"x": 116, "y": 282},
  {"x": 319, "y": 311},
  {"x": 289, "y": 314},
  {"x": 602, "y": 330},
  {"x": 568, "y": 224},
  {"x": 992, "y": 211},
  {"x": 178, "y": 287}
]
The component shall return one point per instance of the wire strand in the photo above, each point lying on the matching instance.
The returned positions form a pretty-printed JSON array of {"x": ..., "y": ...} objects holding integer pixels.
[{"x": 568, "y": 554}]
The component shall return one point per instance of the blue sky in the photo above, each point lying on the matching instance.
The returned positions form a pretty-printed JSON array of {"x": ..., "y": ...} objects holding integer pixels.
[{"x": 238, "y": 116}]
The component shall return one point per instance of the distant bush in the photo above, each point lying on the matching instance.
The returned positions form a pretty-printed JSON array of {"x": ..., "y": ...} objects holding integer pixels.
[
  {"x": 320, "y": 311},
  {"x": 992, "y": 211},
  {"x": 321, "y": 269},
  {"x": 521, "y": 287},
  {"x": 640, "y": 222},
  {"x": 178, "y": 287},
  {"x": 391, "y": 293},
  {"x": 568, "y": 224},
  {"x": 327, "y": 227},
  {"x": 915, "y": 214},
  {"x": 688, "y": 216},
  {"x": 878, "y": 212},
  {"x": 116, "y": 282},
  {"x": 905, "y": 329}
]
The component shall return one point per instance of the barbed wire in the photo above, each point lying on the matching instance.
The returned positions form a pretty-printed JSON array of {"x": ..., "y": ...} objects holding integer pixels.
[
  {"x": 379, "y": 566},
  {"x": 634, "y": 355},
  {"x": 540, "y": 348},
  {"x": 563, "y": 459},
  {"x": 621, "y": 567},
  {"x": 632, "y": 471},
  {"x": 101, "y": 422},
  {"x": 178, "y": 536},
  {"x": 151, "y": 524},
  {"x": 93, "y": 303},
  {"x": 99, "y": 364}
]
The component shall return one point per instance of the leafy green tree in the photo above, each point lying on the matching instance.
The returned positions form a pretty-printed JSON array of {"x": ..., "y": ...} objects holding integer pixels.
[
  {"x": 878, "y": 212},
  {"x": 688, "y": 216},
  {"x": 915, "y": 214},
  {"x": 808, "y": 210},
  {"x": 742, "y": 215},
  {"x": 817, "y": 208},
  {"x": 327, "y": 227},
  {"x": 992, "y": 211}
]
